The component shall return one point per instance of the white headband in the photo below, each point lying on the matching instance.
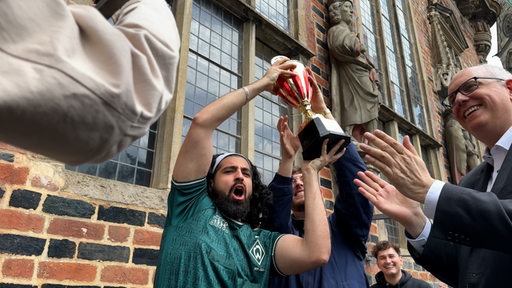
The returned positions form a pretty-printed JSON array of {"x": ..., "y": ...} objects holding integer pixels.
[{"x": 225, "y": 155}]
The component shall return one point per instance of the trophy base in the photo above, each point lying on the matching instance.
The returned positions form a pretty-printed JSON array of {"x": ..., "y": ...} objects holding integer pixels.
[{"x": 312, "y": 137}]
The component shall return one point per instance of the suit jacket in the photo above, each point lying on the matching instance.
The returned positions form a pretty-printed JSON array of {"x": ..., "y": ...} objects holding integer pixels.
[{"x": 470, "y": 244}]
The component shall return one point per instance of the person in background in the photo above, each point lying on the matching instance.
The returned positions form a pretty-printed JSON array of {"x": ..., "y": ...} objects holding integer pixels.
[
  {"x": 217, "y": 206},
  {"x": 349, "y": 223},
  {"x": 390, "y": 263},
  {"x": 78, "y": 89},
  {"x": 468, "y": 243}
]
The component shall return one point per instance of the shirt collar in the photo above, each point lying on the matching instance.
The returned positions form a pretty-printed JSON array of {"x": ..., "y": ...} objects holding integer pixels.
[{"x": 499, "y": 149}]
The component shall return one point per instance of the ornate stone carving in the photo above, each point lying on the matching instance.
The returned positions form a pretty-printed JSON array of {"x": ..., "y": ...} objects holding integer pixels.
[
  {"x": 354, "y": 81},
  {"x": 462, "y": 152},
  {"x": 448, "y": 42}
]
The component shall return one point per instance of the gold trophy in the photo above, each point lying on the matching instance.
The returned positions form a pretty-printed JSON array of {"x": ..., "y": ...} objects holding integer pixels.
[{"x": 296, "y": 91}]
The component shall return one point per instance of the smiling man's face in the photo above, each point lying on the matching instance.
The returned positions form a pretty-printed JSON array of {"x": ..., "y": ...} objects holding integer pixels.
[
  {"x": 485, "y": 112},
  {"x": 389, "y": 262}
]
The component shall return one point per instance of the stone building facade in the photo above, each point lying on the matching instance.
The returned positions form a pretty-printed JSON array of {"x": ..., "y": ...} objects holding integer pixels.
[
  {"x": 100, "y": 225},
  {"x": 504, "y": 34}
]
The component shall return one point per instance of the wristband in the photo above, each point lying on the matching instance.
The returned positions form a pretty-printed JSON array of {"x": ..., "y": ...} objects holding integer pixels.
[{"x": 246, "y": 93}]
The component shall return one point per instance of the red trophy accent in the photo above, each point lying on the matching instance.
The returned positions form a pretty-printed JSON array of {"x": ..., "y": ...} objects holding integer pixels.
[{"x": 296, "y": 91}]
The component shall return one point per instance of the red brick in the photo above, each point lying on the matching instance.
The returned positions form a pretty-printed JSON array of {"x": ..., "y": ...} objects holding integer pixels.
[
  {"x": 10, "y": 174},
  {"x": 18, "y": 268},
  {"x": 326, "y": 173},
  {"x": 327, "y": 194},
  {"x": 21, "y": 221},
  {"x": 66, "y": 271},
  {"x": 147, "y": 238},
  {"x": 77, "y": 229},
  {"x": 373, "y": 229},
  {"x": 125, "y": 275},
  {"x": 118, "y": 233}
]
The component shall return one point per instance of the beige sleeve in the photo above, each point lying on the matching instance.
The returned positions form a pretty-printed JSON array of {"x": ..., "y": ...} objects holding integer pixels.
[{"x": 77, "y": 88}]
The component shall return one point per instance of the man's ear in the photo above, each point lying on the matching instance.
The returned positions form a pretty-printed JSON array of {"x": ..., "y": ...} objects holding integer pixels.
[{"x": 509, "y": 84}]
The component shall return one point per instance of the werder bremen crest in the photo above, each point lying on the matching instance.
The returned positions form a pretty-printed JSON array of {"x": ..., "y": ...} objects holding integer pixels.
[{"x": 257, "y": 252}]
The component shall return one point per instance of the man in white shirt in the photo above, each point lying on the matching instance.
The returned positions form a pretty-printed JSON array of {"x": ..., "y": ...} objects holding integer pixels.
[{"x": 468, "y": 243}]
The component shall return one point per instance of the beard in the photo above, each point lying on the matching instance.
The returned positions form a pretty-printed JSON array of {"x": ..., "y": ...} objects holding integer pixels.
[{"x": 230, "y": 208}]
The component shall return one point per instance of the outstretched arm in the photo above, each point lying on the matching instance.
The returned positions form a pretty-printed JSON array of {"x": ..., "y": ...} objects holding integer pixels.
[
  {"x": 281, "y": 185},
  {"x": 352, "y": 212},
  {"x": 195, "y": 154},
  {"x": 294, "y": 254}
]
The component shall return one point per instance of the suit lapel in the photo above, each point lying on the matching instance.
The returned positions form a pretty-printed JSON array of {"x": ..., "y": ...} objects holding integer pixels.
[{"x": 478, "y": 178}]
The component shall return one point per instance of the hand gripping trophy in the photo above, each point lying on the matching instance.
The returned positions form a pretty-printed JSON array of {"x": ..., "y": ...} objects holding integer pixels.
[{"x": 296, "y": 91}]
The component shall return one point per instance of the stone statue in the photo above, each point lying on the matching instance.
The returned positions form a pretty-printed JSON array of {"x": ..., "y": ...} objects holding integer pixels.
[
  {"x": 354, "y": 85},
  {"x": 462, "y": 153}
]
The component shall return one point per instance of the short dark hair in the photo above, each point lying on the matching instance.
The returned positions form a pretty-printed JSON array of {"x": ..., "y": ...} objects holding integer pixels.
[
  {"x": 384, "y": 245},
  {"x": 261, "y": 200}
]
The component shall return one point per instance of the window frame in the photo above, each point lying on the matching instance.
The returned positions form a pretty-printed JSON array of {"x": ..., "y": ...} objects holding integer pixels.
[{"x": 255, "y": 26}]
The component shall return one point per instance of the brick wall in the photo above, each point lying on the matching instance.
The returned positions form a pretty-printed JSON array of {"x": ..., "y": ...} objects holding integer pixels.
[{"x": 53, "y": 238}]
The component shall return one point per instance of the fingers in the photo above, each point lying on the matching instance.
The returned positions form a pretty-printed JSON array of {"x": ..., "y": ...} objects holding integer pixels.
[
  {"x": 364, "y": 186},
  {"x": 312, "y": 78},
  {"x": 281, "y": 60},
  {"x": 370, "y": 180},
  {"x": 333, "y": 154},
  {"x": 282, "y": 123},
  {"x": 385, "y": 142},
  {"x": 409, "y": 146},
  {"x": 385, "y": 152},
  {"x": 336, "y": 148},
  {"x": 280, "y": 68}
]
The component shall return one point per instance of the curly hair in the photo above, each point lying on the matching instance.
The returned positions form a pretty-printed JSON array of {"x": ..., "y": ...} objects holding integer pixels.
[
  {"x": 384, "y": 245},
  {"x": 261, "y": 200}
]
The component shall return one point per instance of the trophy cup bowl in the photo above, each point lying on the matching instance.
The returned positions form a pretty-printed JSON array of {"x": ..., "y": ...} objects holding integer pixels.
[{"x": 296, "y": 91}]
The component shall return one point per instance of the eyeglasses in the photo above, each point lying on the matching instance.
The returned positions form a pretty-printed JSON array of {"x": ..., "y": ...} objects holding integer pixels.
[{"x": 466, "y": 88}]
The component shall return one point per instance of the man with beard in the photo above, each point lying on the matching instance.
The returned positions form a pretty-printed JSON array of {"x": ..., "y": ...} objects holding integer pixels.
[
  {"x": 390, "y": 263},
  {"x": 212, "y": 236},
  {"x": 349, "y": 223}
]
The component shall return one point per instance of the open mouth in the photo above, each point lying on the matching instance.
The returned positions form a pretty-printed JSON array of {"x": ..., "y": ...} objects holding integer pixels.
[{"x": 238, "y": 192}]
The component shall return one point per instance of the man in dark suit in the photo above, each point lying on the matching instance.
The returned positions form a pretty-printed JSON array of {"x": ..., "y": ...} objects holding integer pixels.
[{"x": 468, "y": 243}]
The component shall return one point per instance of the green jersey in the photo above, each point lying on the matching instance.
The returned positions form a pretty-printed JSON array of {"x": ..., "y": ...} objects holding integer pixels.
[{"x": 202, "y": 248}]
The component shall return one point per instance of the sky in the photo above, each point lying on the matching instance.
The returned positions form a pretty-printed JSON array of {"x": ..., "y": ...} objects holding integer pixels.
[{"x": 491, "y": 59}]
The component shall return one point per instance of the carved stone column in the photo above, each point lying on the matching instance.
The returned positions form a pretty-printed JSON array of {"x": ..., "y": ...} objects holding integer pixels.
[
  {"x": 482, "y": 40},
  {"x": 482, "y": 14}
]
